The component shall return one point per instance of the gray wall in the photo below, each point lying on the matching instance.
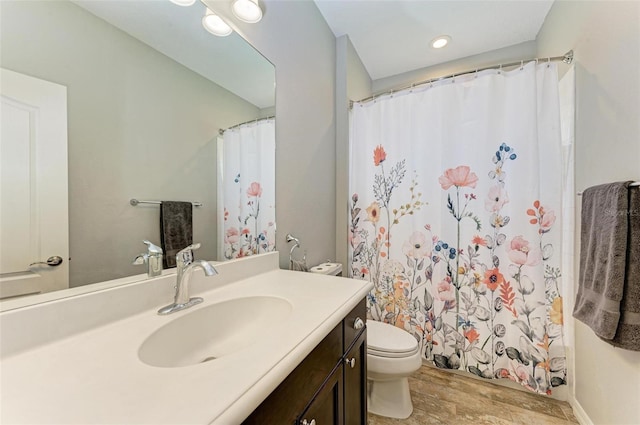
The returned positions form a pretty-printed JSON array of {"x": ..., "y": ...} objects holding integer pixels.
[
  {"x": 605, "y": 37},
  {"x": 509, "y": 54},
  {"x": 295, "y": 38},
  {"x": 352, "y": 83},
  {"x": 140, "y": 125}
]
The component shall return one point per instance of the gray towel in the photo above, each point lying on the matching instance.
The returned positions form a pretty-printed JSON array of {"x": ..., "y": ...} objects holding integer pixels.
[
  {"x": 628, "y": 333},
  {"x": 176, "y": 229},
  {"x": 603, "y": 252}
]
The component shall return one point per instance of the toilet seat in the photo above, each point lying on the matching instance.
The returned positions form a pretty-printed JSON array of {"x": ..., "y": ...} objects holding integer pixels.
[{"x": 385, "y": 340}]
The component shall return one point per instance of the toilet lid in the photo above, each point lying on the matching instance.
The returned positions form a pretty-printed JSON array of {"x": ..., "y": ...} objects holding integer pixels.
[{"x": 386, "y": 340}]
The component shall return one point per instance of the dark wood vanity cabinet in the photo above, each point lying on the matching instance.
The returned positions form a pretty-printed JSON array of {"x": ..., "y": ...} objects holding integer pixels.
[
  {"x": 355, "y": 382},
  {"x": 329, "y": 387}
]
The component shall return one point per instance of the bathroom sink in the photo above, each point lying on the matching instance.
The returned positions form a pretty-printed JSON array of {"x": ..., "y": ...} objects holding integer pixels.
[{"x": 209, "y": 333}]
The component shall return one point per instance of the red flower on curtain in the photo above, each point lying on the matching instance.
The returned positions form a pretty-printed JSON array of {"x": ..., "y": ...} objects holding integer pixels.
[{"x": 379, "y": 155}]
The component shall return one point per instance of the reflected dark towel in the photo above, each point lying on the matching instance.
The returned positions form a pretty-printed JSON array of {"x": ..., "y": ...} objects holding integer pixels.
[
  {"x": 628, "y": 333},
  {"x": 176, "y": 229},
  {"x": 603, "y": 252}
]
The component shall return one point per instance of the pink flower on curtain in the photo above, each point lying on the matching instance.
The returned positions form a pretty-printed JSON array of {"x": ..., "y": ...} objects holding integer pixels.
[
  {"x": 461, "y": 176},
  {"x": 496, "y": 198},
  {"x": 542, "y": 217},
  {"x": 547, "y": 220},
  {"x": 232, "y": 235},
  {"x": 254, "y": 190},
  {"x": 445, "y": 291},
  {"x": 416, "y": 247},
  {"x": 522, "y": 254}
]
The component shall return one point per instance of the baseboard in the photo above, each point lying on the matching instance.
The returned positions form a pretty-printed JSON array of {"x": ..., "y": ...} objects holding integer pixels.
[{"x": 578, "y": 411}]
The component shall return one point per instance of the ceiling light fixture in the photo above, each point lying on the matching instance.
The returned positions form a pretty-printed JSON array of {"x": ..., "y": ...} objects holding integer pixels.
[
  {"x": 247, "y": 10},
  {"x": 183, "y": 2},
  {"x": 440, "y": 41},
  {"x": 215, "y": 25}
]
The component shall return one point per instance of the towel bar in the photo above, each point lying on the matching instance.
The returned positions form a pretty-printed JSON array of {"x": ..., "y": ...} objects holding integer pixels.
[
  {"x": 634, "y": 184},
  {"x": 135, "y": 202}
]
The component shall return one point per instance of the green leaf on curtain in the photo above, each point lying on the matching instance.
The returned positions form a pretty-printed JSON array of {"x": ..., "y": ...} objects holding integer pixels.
[
  {"x": 482, "y": 313},
  {"x": 480, "y": 355},
  {"x": 558, "y": 364},
  {"x": 428, "y": 300},
  {"x": 523, "y": 327},
  {"x": 475, "y": 370}
]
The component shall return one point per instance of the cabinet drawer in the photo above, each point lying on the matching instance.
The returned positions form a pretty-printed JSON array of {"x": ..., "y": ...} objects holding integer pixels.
[{"x": 354, "y": 323}]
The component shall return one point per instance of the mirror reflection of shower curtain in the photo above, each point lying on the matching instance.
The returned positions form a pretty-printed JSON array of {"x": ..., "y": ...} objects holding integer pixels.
[{"x": 246, "y": 190}]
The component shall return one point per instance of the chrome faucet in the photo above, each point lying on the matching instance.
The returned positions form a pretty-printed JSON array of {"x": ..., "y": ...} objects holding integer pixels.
[
  {"x": 152, "y": 259},
  {"x": 185, "y": 264}
]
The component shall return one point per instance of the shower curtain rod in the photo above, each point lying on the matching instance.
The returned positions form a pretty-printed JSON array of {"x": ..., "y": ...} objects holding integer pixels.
[
  {"x": 220, "y": 131},
  {"x": 566, "y": 58}
]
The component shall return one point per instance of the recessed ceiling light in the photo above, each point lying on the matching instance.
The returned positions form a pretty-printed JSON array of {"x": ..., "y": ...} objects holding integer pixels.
[
  {"x": 183, "y": 2},
  {"x": 247, "y": 10},
  {"x": 440, "y": 41},
  {"x": 215, "y": 25}
]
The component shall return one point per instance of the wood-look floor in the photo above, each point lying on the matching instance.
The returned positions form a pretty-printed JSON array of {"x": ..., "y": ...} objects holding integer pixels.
[{"x": 441, "y": 397}]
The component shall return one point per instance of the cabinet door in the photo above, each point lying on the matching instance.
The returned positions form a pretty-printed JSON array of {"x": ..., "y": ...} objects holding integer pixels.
[
  {"x": 326, "y": 408},
  {"x": 355, "y": 382},
  {"x": 293, "y": 395}
]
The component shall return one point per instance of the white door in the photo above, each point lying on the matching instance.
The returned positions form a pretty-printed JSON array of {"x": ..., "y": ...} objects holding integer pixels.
[{"x": 33, "y": 185}]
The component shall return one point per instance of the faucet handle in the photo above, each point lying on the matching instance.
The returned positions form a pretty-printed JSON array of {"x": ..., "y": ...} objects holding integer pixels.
[
  {"x": 152, "y": 248},
  {"x": 191, "y": 247},
  {"x": 185, "y": 255}
]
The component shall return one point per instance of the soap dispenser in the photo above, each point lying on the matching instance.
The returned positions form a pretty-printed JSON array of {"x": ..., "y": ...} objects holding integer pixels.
[{"x": 153, "y": 259}]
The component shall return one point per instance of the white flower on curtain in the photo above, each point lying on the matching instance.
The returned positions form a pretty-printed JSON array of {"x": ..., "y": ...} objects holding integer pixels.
[
  {"x": 462, "y": 253},
  {"x": 246, "y": 190}
]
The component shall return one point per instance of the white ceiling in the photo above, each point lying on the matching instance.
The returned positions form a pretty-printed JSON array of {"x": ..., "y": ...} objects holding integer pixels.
[
  {"x": 177, "y": 32},
  {"x": 393, "y": 36}
]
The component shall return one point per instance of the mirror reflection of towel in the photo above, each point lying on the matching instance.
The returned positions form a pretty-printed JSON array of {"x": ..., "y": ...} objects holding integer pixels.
[{"x": 176, "y": 229}]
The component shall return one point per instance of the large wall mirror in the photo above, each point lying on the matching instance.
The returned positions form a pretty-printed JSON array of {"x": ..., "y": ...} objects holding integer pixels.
[{"x": 148, "y": 90}]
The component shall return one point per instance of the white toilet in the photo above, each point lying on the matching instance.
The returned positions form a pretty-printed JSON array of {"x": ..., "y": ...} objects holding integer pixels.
[{"x": 392, "y": 355}]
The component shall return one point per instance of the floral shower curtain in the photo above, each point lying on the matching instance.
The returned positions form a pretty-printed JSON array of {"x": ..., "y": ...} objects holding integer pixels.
[
  {"x": 246, "y": 190},
  {"x": 456, "y": 188}
]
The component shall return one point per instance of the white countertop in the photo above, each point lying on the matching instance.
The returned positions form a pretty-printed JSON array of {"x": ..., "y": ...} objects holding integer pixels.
[{"x": 95, "y": 376}]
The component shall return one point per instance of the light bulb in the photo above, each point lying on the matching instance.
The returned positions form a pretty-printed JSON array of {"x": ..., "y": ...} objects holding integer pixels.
[
  {"x": 247, "y": 10},
  {"x": 440, "y": 41},
  {"x": 183, "y": 2},
  {"x": 215, "y": 25}
]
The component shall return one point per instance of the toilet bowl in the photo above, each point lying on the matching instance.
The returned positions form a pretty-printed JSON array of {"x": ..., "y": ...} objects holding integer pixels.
[{"x": 392, "y": 355}]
